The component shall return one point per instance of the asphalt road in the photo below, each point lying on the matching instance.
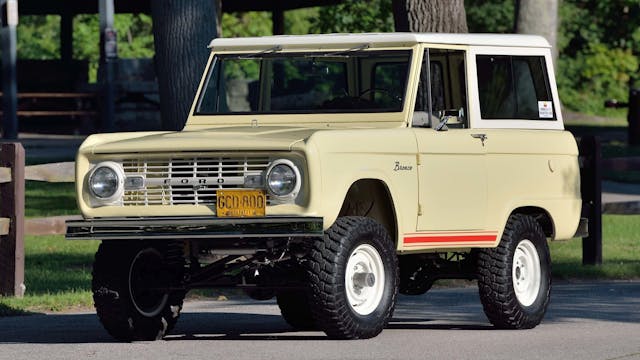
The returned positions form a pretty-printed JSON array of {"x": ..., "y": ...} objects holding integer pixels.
[{"x": 599, "y": 320}]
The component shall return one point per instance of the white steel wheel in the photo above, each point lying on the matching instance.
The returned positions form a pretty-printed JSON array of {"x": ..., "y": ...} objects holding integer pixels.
[
  {"x": 526, "y": 272},
  {"x": 353, "y": 278},
  {"x": 364, "y": 279},
  {"x": 514, "y": 279}
]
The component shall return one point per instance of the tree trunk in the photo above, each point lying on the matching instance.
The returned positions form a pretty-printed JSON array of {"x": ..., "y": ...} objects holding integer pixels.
[
  {"x": 430, "y": 16},
  {"x": 181, "y": 30},
  {"x": 539, "y": 17}
]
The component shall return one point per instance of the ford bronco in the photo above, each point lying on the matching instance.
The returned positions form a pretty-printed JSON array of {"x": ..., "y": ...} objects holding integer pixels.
[{"x": 332, "y": 172}]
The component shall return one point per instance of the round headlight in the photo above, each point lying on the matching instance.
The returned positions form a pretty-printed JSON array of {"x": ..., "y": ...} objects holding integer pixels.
[
  {"x": 283, "y": 178},
  {"x": 105, "y": 181}
]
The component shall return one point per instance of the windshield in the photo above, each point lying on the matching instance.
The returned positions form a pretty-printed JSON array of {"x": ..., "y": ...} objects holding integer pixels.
[{"x": 359, "y": 81}]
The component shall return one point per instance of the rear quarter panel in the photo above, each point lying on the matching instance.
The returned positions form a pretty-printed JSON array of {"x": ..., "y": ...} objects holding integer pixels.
[{"x": 534, "y": 168}]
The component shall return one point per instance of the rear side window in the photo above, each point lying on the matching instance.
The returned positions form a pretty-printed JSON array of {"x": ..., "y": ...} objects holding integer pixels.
[{"x": 514, "y": 87}]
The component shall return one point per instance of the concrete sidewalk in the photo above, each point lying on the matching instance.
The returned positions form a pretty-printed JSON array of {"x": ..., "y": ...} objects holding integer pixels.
[{"x": 619, "y": 198}]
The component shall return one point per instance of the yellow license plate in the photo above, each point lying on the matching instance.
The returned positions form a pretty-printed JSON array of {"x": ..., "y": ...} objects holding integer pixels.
[{"x": 240, "y": 203}]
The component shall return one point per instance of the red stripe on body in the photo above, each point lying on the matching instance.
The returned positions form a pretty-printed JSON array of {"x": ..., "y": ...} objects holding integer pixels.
[{"x": 445, "y": 239}]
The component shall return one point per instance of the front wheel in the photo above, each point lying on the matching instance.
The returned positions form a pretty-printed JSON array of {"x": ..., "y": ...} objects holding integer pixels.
[
  {"x": 132, "y": 289},
  {"x": 515, "y": 278},
  {"x": 354, "y": 279}
]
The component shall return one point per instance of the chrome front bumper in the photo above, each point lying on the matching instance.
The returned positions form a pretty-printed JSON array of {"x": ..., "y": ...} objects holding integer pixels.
[{"x": 172, "y": 228}]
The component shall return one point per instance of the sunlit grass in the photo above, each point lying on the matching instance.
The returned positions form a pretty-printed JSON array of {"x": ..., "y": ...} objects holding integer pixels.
[
  {"x": 57, "y": 275},
  {"x": 620, "y": 252},
  {"x": 50, "y": 199}
]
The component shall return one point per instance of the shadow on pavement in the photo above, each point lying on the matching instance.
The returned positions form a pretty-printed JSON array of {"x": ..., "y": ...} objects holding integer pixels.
[{"x": 440, "y": 309}]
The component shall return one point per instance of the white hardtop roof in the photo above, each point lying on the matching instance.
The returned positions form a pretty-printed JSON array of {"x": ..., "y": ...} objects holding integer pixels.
[{"x": 376, "y": 40}]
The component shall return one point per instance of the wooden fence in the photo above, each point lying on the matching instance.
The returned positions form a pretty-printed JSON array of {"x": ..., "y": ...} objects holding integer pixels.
[
  {"x": 12, "y": 219},
  {"x": 12, "y": 224}
]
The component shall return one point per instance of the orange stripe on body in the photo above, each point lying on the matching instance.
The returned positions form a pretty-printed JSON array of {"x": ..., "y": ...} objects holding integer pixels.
[{"x": 449, "y": 239}]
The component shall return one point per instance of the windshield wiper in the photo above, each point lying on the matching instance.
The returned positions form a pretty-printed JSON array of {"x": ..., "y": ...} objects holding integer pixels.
[
  {"x": 259, "y": 54},
  {"x": 342, "y": 53}
]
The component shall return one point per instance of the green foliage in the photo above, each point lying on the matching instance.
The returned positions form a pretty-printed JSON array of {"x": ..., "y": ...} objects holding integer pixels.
[
  {"x": 298, "y": 21},
  {"x": 38, "y": 37},
  {"x": 135, "y": 38},
  {"x": 595, "y": 74},
  {"x": 495, "y": 16},
  {"x": 598, "y": 43},
  {"x": 252, "y": 23},
  {"x": 354, "y": 16}
]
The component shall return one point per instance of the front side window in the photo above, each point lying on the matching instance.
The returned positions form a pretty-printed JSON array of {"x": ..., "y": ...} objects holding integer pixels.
[
  {"x": 514, "y": 87},
  {"x": 357, "y": 81},
  {"x": 445, "y": 81}
]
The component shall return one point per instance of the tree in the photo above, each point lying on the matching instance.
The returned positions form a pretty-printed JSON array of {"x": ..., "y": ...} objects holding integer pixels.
[
  {"x": 539, "y": 17},
  {"x": 353, "y": 16},
  {"x": 430, "y": 16},
  {"x": 182, "y": 30}
]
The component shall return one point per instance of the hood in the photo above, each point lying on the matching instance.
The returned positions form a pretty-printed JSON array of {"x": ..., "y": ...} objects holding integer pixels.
[{"x": 242, "y": 138}]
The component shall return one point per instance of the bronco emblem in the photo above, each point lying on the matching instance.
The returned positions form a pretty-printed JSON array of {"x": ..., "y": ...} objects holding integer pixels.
[{"x": 399, "y": 167}]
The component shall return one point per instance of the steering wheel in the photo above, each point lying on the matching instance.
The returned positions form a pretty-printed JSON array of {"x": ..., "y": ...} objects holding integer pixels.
[{"x": 394, "y": 97}]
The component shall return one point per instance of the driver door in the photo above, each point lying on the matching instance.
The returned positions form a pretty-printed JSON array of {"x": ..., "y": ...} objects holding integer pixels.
[{"x": 452, "y": 163}]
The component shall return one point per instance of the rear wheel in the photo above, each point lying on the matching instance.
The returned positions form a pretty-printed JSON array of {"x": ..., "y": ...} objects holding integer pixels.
[
  {"x": 515, "y": 278},
  {"x": 131, "y": 289},
  {"x": 354, "y": 279},
  {"x": 295, "y": 309}
]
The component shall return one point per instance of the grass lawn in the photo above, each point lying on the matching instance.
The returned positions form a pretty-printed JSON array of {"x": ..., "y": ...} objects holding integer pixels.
[
  {"x": 58, "y": 272},
  {"x": 57, "y": 275},
  {"x": 50, "y": 199},
  {"x": 620, "y": 252}
]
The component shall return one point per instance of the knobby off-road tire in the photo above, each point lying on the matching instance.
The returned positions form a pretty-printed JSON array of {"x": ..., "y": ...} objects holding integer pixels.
[
  {"x": 515, "y": 278},
  {"x": 353, "y": 275},
  {"x": 124, "y": 276},
  {"x": 296, "y": 310}
]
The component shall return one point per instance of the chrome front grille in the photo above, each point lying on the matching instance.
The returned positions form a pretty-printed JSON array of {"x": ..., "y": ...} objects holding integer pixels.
[{"x": 187, "y": 180}]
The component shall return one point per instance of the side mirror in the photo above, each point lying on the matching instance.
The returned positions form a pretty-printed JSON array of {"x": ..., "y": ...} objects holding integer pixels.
[
  {"x": 453, "y": 116},
  {"x": 442, "y": 125}
]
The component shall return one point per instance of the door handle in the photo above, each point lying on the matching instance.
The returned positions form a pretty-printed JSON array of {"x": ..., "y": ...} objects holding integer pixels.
[{"x": 482, "y": 137}]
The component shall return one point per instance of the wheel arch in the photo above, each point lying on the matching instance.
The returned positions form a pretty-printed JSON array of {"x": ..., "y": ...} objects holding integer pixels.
[
  {"x": 371, "y": 198},
  {"x": 541, "y": 215}
]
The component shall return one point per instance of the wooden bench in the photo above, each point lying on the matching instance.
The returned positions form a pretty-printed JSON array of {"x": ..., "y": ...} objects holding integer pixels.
[{"x": 31, "y": 104}]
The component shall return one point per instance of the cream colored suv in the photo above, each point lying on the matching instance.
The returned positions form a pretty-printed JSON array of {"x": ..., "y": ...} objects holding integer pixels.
[{"x": 332, "y": 172}]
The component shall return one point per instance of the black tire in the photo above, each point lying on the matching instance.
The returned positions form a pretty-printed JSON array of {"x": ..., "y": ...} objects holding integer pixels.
[
  {"x": 126, "y": 308},
  {"x": 295, "y": 309},
  {"x": 507, "y": 303},
  {"x": 333, "y": 312}
]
